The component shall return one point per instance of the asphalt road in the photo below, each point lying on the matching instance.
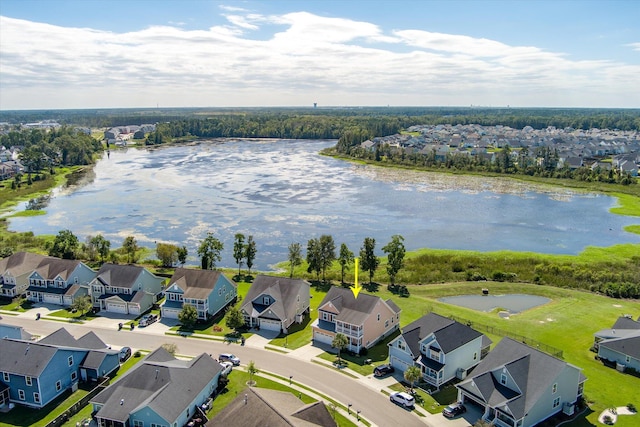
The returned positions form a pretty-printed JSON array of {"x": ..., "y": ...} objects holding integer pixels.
[{"x": 373, "y": 405}]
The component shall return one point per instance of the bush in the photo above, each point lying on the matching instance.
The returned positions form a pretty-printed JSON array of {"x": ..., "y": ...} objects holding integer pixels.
[{"x": 475, "y": 277}]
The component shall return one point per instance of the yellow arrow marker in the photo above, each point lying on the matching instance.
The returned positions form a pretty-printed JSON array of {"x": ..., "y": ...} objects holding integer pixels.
[{"x": 356, "y": 288}]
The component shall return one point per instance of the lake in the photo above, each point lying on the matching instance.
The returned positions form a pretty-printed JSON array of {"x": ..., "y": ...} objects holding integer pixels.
[{"x": 283, "y": 191}]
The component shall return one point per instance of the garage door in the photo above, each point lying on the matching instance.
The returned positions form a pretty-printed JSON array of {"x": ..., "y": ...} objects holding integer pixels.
[
  {"x": 170, "y": 313},
  {"x": 116, "y": 308},
  {"x": 52, "y": 299},
  {"x": 322, "y": 337},
  {"x": 399, "y": 364},
  {"x": 270, "y": 325}
]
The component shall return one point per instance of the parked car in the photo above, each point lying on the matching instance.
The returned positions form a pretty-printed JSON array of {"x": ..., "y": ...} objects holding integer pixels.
[
  {"x": 227, "y": 367},
  {"x": 125, "y": 353},
  {"x": 147, "y": 319},
  {"x": 402, "y": 398},
  {"x": 454, "y": 410},
  {"x": 382, "y": 370},
  {"x": 228, "y": 357}
]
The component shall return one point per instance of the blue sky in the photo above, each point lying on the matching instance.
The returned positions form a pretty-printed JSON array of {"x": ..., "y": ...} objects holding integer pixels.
[{"x": 143, "y": 53}]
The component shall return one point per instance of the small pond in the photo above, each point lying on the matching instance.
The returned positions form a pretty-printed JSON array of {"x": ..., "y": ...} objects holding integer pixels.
[{"x": 514, "y": 303}]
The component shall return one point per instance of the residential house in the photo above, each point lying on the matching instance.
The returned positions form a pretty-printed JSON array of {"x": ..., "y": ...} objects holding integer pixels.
[
  {"x": 59, "y": 281},
  {"x": 17, "y": 332},
  {"x": 35, "y": 373},
  {"x": 125, "y": 289},
  {"x": 159, "y": 391},
  {"x": 442, "y": 348},
  {"x": 209, "y": 291},
  {"x": 364, "y": 320},
  {"x": 620, "y": 345},
  {"x": 519, "y": 386},
  {"x": 14, "y": 272},
  {"x": 258, "y": 407},
  {"x": 275, "y": 303}
]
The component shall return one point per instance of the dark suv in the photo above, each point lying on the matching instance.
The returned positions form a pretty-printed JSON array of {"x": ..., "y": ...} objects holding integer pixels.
[
  {"x": 382, "y": 370},
  {"x": 454, "y": 410}
]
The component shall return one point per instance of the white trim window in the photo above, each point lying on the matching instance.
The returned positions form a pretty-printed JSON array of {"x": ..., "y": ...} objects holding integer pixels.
[
  {"x": 36, "y": 397},
  {"x": 5, "y": 377},
  {"x": 556, "y": 402},
  {"x": 28, "y": 380},
  {"x": 58, "y": 385},
  {"x": 21, "y": 395},
  {"x": 138, "y": 423},
  {"x": 503, "y": 379}
]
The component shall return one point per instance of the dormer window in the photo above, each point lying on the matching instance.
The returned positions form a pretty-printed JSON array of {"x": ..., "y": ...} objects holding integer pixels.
[
  {"x": 265, "y": 300},
  {"x": 503, "y": 379}
]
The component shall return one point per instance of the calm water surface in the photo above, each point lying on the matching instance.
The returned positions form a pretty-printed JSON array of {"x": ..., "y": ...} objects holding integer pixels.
[
  {"x": 282, "y": 191},
  {"x": 513, "y": 303}
]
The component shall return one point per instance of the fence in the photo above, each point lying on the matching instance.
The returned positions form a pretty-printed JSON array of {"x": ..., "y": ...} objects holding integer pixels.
[
  {"x": 553, "y": 351},
  {"x": 77, "y": 407}
]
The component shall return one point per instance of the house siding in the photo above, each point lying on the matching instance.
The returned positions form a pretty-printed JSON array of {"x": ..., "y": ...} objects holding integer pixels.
[
  {"x": 217, "y": 301},
  {"x": 621, "y": 358},
  {"x": 462, "y": 357},
  {"x": 567, "y": 390},
  {"x": 58, "y": 369},
  {"x": 404, "y": 357},
  {"x": 375, "y": 330}
]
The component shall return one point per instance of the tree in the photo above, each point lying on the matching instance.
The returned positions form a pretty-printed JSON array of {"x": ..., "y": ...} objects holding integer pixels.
[
  {"x": 238, "y": 250},
  {"x": 345, "y": 259},
  {"x": 209, "y": 252},
  {"x": 314, "y": 257},
  {"x": 171, "y": 348},
  {"x": 102, "y": 245},
  {"x": 188, "y": 316},
  {"x": 130, "y": 246},
  {"x": 182, "y": 255},
  {"x": 250, "y": 253},
  {"x": 252, "y": 370},
  {"x": 327, "y": 253},
  {"x": 234, "y": 319},
  {"x": 368, "y": 259},
  {"x": 64, "y": 245},
  {"x": 395, "y": 256},
  {"x": 295, "y": 257},
  {"x": 82, "y": 304},
  {"x": 167, "y": 254},
  {"x": 412, "y": 374},
  {"x": 340, "y": 341},
  {"x": 89, "y": 249}
]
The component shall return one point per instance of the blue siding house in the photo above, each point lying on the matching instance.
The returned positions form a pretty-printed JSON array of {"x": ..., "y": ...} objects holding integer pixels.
[
  {"x": 35, "y": 373},
  {"x": 209, "y": 291},
  {"x": 160, "y": 390},
  {"x": 59, "y": 281}
]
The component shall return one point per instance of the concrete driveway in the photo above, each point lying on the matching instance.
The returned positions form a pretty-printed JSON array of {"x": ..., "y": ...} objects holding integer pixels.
[{"x": 467, "y": 419}]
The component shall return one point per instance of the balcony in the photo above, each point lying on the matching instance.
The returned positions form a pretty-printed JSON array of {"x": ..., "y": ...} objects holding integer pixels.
[{"x": 350, "y": 331}]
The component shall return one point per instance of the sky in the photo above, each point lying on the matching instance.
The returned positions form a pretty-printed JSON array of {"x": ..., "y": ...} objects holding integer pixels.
[{"x": 57, "y": 54}]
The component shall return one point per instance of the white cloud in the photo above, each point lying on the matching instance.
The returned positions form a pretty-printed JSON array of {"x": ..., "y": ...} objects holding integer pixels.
[
  {"x": 635, "y": 46},
  {"x": 298, "y": 58}
]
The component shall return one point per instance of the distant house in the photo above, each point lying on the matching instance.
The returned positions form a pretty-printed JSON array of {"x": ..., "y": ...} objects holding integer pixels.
[
  {"x": 275, "y": 303},
  {"x": 59, "y": 281},
  {"x": 620, "y": 345},
  {"x": 126, "y": 289},
  {"x": 442, "y": 348},
  {"x": 16, "y": 332},
  {"x": 364, "y": 320},
  {"x": 259, "y": 407},
  {"x": 209, "y": 291},
  {"x": 159, "y": 391},
  {"x": 36, "y": 373},
  {"x": 516, "y": 385},
  {"x": 15, "y": 271}
]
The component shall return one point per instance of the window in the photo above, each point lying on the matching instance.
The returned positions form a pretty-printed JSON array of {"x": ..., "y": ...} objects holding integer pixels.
[
  {"x": 554, "y": 388},
  {"x": 556, "y": 402},
  {"x": 386, "y": 323},
  {"x": 74, "y": 375},
  {"x": 28, "y": 380},
  {"x": 265, "y": 300},
  {"x": 21, "y": 394},
  {"x": 580, "y": 389},
  {"x": 70, "y": 360},
  {"x": 503, "y": 379},
  {"x": 138, "y": 423},
  {"x": 5, "y": 377},
  {"x": 628, "y": 359},
  {"x": 401, "y": 345},
  {"x": 36, "y": 397},
  {"x": 378, "y": 317},
  {"x": 475, "y": 356},
  {"x": 58, "y": 385},
  {"x": 219, "y": 292}
]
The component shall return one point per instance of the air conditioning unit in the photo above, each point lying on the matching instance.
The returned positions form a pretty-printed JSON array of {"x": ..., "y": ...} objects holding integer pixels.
[{"x": 461, "y": 373}]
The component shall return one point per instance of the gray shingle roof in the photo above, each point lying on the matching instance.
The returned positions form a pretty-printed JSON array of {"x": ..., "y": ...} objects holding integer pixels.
[
  {"x": 626, "y": 323},
  {"x": 629, "y": 345},
  {"x": 50, "y": 268},
  {"x": 25, "y": 358},
  {"x": 121, "y": 276},
  {"x": 449, "y": 333},
  {"x": 160, "y": 382},
  {"x": 532, "y": 370},
  {"x": 283, "y": 290},
  {"x": 20, "y": 263}
]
